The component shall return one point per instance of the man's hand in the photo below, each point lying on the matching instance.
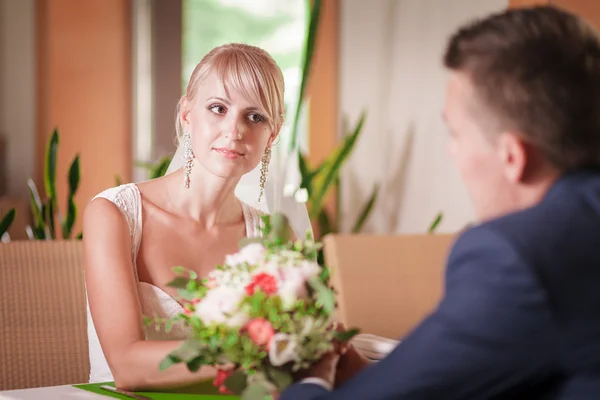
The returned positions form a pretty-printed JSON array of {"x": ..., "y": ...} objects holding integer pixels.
[
  {"x": 324, "y": 369},
  {"x": 350, "y": 364}
]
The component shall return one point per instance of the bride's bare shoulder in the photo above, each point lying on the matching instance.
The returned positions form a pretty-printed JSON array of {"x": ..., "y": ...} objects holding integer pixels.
[{"x": 111, "y": 203}]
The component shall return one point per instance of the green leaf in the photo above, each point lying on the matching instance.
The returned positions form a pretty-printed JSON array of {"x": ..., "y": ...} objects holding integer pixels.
[
  {"x": 186, "y": 294},
  {"x": 50, "y": 166},
  {"x": 305, "y": 174},
  {"x": 49, "y": 215},
  {"x": 7, "y": 221},
  {"x": 79, "y": 236},
  {"x": 255, "y": 391},
  {"x": 69, "y": 222},
  {"x": 161, "y": 167},
  {"x": 118, "y": 180},
  {"x": 325, "y": 296},
  {"x": 74, "y": 176},
  {"x": 237, "y": 382},
  {"x": 366, "y": 211},
  {"x": 168, "y": 361},
  {"x": 188, "y": 350},
  {"x": 195, "y": 364},
  {"x": 346, "y": 335},
  {"x": 323, "y": 183},
  {"x": 436, "y": 222},
  {"x": 178, "y": 270},
  {"x": 281, "y": 228},
  {"x": 266, "y": 228},
  {"x": 279, "y": 377},
  {"x": 39, "y": 224},
  {"x": 179, "y": 282},
  {"x": 324, "y": 223},
  {"x": 309, "y": 49}
]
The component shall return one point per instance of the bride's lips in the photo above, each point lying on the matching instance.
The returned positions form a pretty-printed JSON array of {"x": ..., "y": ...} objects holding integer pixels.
[{"x": 228, "y": 153}]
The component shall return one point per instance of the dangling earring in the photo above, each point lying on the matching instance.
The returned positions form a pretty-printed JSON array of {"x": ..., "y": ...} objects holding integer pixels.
[
  {"x": 188, "y": 158},
  {"x": 264, "y": 168}
]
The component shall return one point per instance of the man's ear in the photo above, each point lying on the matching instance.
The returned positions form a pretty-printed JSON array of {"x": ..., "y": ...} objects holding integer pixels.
[{"x": 514, "y": 155}]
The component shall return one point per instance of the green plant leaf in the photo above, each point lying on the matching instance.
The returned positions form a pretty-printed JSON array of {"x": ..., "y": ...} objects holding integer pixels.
[
  {"x": 195, "y": 364},
  {"x": 325, "y": 296},
  {"x": 67, "y": 224},
  {"x": 255, "y": 391},
  {"x": 7, "y": 221},
  {"x": 40, "y": 229},
  {"x": 49, "y": 215},
  {"x": 309, "y": 49},
  {"x": 280, "y": 228},
  {"x": 168, "y": 361},
  {"x": 323, "y": 183},
  {"x": 366, "y": 211},
  {"x": 237, "y": 382},
  {"x": 161, "y": 168},
  {"x": 324, "y": 223},
  {"x": 179, "y": 282},
  {"x": 346, "y": 335},
  {"x": 436, "y": 222},
  {"x": 50, "y": 165},
  {"x": 279, "y": 377},
  {"x": 305, "y": 174},
  {"x": 188, "y": 350},
  {"x": 79, "y": 236},
  {"x": 74, "y": 176}
]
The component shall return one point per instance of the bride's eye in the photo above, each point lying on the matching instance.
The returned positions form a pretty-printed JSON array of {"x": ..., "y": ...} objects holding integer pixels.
[
  {"x": 256, "y": 118},
  {"x": 217, "y": 109}
]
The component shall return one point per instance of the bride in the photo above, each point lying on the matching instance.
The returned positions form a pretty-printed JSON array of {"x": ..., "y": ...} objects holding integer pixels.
[{"x": 226, "y": 123}]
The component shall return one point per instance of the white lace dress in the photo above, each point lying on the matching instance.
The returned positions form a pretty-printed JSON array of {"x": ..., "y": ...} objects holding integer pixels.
[{"x": 154, "y": 301}]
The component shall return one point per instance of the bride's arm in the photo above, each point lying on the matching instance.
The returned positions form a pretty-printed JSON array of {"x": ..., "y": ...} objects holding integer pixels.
[{"x": 115, "y": 306}]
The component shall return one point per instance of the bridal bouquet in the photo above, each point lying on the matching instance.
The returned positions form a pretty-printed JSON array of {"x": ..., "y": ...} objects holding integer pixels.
[{"x": 264, "y": 314}]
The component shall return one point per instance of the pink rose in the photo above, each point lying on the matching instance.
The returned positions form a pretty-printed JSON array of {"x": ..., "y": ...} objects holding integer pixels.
[
  {"x": 260, "y": 331},
  {"x": 263, "y": 281},
  {"x": 219, "y": 380}
]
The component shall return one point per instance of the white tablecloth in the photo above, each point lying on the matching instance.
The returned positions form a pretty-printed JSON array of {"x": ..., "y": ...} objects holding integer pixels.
[{"x": 65, "y": 392}]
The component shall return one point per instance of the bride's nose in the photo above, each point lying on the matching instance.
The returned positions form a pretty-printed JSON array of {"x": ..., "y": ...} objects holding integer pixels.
[{"x": 234, "y": 129}]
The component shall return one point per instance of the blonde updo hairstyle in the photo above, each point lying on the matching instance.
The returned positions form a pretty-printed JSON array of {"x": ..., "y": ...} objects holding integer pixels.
[{"x": 246, "y": 69}]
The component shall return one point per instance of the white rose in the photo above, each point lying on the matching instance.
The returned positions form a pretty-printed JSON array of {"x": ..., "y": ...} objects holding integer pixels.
[
  {"x": 221, "y": 305},
  {"x": 282, "y": 349},
  {"x": 309, "y": 269},
  {"x": 253, "y": 253},
  {"x": 292, "y": 286}
]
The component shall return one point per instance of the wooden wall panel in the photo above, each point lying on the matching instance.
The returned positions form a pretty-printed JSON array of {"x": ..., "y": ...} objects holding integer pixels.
[
  {"x": 526, "y": 3},
  {"x": 588, "y": 9},
  {"x": 84, "y": 87}
]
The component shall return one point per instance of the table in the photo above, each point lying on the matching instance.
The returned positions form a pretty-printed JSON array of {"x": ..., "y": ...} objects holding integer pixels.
[
  {"x": 65, "y": 392},
  {"x": 203, "y": 390}
]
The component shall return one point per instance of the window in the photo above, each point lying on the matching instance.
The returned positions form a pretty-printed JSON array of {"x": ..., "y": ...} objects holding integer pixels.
[{"x": 278, "y": 26}]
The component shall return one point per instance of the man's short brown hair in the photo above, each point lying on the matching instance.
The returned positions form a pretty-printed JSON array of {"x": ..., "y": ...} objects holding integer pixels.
[{"x": 537, "y": 70}]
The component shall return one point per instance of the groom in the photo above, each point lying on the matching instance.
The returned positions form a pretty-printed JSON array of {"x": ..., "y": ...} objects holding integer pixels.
[{"x": 520, "y": 318}]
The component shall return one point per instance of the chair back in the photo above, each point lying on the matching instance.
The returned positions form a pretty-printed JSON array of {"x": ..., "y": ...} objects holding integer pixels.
[
  {"x": 43, "y": 335},
  {"x": 386, "y": 284}
]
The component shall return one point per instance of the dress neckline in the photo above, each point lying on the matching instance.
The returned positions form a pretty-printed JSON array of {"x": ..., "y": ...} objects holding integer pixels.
[{"x": 248, "y": 220}]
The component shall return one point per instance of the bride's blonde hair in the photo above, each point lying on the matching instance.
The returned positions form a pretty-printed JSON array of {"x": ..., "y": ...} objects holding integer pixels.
[{"x": 246, "y": 69}]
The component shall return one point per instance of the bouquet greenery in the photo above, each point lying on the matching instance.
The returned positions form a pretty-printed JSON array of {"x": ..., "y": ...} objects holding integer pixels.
[{"x": 263, "y": 315}]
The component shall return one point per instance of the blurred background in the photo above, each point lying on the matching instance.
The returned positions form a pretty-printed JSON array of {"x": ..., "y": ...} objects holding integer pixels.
[{"x": 107, "y": 74}]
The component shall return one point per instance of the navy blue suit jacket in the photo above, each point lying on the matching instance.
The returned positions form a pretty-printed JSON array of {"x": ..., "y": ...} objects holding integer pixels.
[{"x": 520, "y": 316}]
